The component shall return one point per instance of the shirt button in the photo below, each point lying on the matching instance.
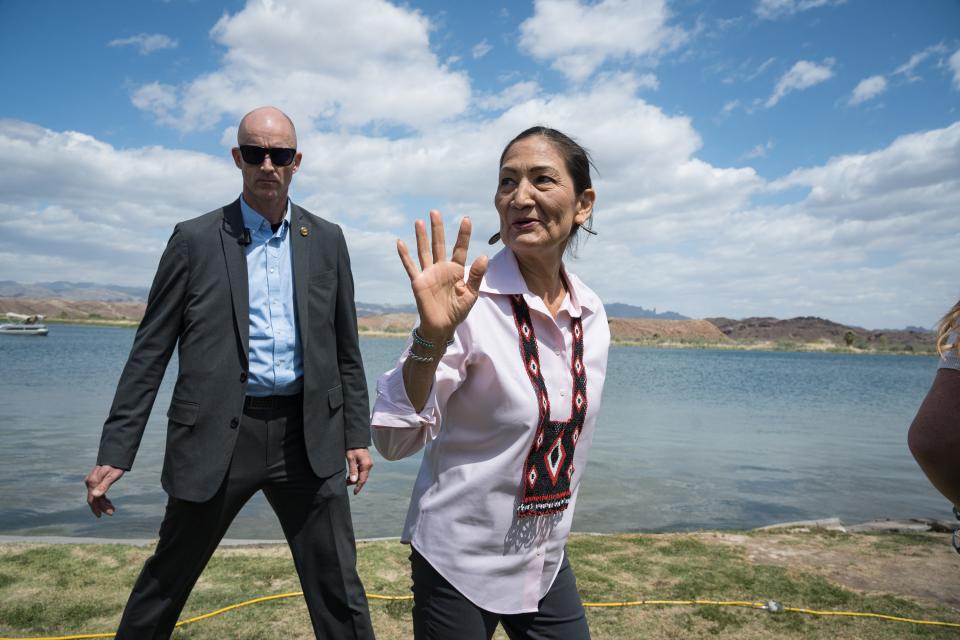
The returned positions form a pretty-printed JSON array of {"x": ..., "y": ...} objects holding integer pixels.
[
  {"x": 271, "y": 270},
  {"x": 234, "y": 423},
  {"x": 557, "y": 352},
  {"x": 243, "y": 376}
]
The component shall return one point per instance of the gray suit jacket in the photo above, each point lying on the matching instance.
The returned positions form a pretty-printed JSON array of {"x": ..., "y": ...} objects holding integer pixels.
[{"x": 199, "y": 302}]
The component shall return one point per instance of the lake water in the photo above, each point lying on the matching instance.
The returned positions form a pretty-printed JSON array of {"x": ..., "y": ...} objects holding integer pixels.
[{"x": 686, "y": 439}]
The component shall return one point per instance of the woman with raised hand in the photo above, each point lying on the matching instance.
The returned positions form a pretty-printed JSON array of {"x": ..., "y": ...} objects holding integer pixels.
[
  {"x": 934, "y": 436},
  {"x": 501, "y": 381}
]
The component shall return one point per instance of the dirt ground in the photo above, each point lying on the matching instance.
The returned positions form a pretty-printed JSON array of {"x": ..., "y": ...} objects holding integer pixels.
[{"x": 929, "y": 572}]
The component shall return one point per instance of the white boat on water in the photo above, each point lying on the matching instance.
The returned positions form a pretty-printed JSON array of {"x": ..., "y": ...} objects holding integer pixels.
[{"x": 23, "y": 325}]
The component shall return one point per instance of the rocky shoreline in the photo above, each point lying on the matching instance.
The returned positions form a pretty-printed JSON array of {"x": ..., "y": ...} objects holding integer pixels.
[
  {"x": 886, "y": 525},
  {"x": 804, "y": 334}
]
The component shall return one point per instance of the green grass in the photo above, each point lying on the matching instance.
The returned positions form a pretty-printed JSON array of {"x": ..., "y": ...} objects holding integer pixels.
[{"x": 64, "y": 589}]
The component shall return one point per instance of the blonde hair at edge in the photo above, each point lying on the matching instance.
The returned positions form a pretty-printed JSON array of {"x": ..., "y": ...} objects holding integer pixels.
[{"x": 949, "y": 324}]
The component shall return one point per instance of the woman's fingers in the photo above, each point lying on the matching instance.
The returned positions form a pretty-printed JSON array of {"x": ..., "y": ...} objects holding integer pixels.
[
  {"x": 407, "y": 261},
  {"x": 423, "y": 245},
  {"x": 463, "y": 242},
  {"x": 477, "y": 269},
  {"x": 439, "y": 243}
]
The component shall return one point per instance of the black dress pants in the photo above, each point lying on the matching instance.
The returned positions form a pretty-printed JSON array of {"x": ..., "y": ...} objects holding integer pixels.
[
  {"x": 441, "y": 612},
  {"x": 270, "y": 455}
]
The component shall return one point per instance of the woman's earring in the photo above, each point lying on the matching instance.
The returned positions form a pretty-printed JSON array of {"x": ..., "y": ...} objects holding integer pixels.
[{"x": 494, "y": 239}]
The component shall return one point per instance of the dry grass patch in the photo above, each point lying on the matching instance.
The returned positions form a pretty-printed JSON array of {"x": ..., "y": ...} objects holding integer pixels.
[{"x": 54, "y": 589}]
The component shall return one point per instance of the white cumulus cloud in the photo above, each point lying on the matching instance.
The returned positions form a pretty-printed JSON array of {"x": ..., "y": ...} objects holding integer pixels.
[
  {"x": 802, "y": 75},
  {"x": 83, "y": 206},
  {"x": 335, "y": 62},
  {"x": 514, "y": 94},
  {"x": 759, "y": 151},
  {"x": 481, "y": 49},
  {"x": 955, "y": 67},
  {"x": 850, "y": 239},
  {"x": 867, "y": 89},
  {"x": 774, "y": 9},
  {"x": 577, "y": 37},
  {"x": 158, "y": 99},
  {"x": 146, "y": 43},
  {"x": 908, "y": 69},
  {"x": 916, "y": 175}
]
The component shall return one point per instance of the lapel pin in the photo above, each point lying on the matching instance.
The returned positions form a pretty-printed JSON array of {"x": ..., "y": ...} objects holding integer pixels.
[{"x": 304, "y": 231}]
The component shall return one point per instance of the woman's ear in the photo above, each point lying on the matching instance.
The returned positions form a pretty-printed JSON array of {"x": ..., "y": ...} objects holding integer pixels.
[{"x": 585, "y": 206}]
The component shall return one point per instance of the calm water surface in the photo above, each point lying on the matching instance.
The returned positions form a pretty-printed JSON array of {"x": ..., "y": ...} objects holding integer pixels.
[{"x": 686, "y": 439}]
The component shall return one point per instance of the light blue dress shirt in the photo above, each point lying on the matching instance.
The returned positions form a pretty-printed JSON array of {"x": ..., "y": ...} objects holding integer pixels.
[{"x": 276, "y": 355}]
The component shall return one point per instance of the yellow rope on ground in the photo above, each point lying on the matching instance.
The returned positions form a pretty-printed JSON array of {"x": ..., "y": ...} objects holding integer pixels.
[
  {"x": 638, "y": 603},
  {"x": 879, "y": 616},
  {"x": 769, "y": 606}
]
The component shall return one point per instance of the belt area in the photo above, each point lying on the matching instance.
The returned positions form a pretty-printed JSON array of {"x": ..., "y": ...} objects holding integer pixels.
[{"x": 266, "y": 403}]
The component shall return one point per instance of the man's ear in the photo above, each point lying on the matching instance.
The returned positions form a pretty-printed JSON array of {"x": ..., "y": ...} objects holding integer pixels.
[{"x": 237, "y": 159}]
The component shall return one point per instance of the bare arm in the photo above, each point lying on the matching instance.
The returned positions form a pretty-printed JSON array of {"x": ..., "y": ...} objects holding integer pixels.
[
  {"x": 934, "y": 436},
  {"x": 443, "y": 298}
]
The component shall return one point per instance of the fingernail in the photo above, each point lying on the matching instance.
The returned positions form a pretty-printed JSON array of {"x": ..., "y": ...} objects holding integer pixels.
[{"x": 353, "y": 478}]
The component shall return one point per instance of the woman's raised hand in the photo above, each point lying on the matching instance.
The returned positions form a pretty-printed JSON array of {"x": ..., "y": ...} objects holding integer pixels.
[{"x": 443, "y": 297}]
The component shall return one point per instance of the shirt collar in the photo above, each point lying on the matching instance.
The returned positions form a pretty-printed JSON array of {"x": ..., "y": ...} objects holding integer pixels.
[
  {"x": 259, "y": 225},
  {"x": 503, "y": 277}
]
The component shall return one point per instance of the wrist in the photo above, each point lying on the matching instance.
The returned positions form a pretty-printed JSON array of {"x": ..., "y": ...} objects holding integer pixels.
[
  {"x": 427, "y": 357},
  {"x": 433, "y": 341}
]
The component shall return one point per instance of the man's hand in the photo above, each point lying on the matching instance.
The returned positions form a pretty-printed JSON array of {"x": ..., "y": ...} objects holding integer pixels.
[
  {"x": 360, "y": 463},
  {"x": 98, "y": 481}
]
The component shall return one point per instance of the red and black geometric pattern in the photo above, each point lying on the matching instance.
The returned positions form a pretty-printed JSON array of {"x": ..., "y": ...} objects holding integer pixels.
[{"x": 549, "y": 465}]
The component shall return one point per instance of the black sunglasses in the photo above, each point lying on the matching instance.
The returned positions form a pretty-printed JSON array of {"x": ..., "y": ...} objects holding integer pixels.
[{"x": 252, "y": 154}]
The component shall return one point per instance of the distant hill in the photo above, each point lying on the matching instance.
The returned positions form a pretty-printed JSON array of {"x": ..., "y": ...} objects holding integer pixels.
[
  {"x": 812, "y": 329},
  {"x": 74, "y": 310},
  {"x": 365, "y": 309},
  {"x": 643, "y": 330},
  {"x": 109, "y": 304},
  {"x": 614, "y": 310},
  {"x": 621, "y": 310},
  {"x": 656, "y": 329},
  {"x": 115, "y": 293},
  {"x": 73, "y": 291},
  {"x": 85, "y": 301}
]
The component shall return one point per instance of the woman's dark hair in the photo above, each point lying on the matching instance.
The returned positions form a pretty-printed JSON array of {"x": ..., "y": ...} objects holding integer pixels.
[{"x": 576, "y": 158}]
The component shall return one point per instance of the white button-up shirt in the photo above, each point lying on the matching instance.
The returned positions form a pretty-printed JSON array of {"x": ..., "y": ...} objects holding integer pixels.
[{"x": 478, "y": 425}]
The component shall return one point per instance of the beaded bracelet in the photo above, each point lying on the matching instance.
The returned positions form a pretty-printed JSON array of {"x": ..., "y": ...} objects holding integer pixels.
[
  {"x": 423, "y": 342},
  {"x": 418, "y": 358}
]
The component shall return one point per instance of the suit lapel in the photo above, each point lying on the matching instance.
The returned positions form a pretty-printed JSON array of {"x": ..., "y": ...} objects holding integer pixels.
[
  {"x": 231, "y": 237},
  {"x": 301, "y": 232}
]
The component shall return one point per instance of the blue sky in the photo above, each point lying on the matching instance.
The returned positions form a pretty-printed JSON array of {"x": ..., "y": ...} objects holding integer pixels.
[{"x": 770, "y": 157}]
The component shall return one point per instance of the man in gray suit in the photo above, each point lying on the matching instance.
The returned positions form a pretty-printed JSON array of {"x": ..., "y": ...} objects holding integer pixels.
[{"x": 270, "y": 395}]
